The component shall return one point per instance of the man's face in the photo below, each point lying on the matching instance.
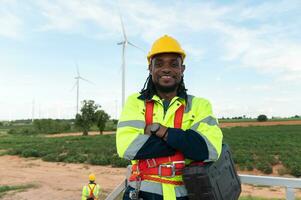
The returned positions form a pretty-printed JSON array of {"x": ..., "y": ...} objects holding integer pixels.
[{"x": 167, "y": 71}]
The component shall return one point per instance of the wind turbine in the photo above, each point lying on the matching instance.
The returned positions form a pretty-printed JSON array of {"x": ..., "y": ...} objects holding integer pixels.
[
  {"x": 32, "y": 110},
  {"x": 124, "y": 43},
  {"x": 78, "y": 77}
]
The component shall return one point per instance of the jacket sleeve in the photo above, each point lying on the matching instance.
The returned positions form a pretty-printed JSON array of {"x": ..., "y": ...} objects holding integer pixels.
[
  {"x": 97, "y": 191},
  {"x": 203, "y": 140},
  {"x": 131, "y": 142},
  {"x": 84, "y": 193}
]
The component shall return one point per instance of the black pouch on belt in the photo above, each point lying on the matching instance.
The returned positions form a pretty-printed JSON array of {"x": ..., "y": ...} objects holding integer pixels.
[{"x": 213, "y": 181}]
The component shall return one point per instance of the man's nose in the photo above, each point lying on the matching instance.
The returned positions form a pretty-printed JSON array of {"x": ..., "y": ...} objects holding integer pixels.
[{"x": 166, "y": 68}]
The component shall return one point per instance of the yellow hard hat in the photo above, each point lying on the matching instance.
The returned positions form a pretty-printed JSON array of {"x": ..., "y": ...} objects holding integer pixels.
[
  {"x": 165, "y": 44},
  {"x": 92, "y": 177}
]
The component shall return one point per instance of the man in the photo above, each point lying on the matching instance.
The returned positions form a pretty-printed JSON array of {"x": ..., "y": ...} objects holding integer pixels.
[
  {"x": 162, "y": 128},
  {"x": 92, "y": 190}
]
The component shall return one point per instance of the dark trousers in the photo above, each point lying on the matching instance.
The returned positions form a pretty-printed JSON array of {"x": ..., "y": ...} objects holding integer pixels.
[{"x": 146, "y": 195}]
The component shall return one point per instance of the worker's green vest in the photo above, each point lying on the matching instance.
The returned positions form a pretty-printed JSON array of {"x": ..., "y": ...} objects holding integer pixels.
[
  {"x": 86, "y": 191},
  {"x": 197, "y": 116}
]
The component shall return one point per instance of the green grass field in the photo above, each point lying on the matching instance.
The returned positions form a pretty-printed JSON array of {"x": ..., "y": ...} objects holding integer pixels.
[
  {"x": 265, "y": 146},
  {"x": 255, "y": 120},
  {"x": 97, "y": 150},
  {"x": 253, "y": 148},
  {"x": 19, "y": 188}
]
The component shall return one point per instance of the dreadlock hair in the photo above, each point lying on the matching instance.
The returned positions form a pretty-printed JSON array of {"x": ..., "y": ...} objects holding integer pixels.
[{"x": 149, "y": 88}]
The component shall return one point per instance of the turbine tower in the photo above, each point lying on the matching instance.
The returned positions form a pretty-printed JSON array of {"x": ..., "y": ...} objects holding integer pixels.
[
  {"x": 78, "y": 77},
  {"x": 124, "y": 43}
]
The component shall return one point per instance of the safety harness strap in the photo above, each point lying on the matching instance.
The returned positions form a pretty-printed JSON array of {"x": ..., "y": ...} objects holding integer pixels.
[
  {"x": 179, "y": 117},
  {"x": 149, "y": 110},
  {"x": 91, "y": 190}
]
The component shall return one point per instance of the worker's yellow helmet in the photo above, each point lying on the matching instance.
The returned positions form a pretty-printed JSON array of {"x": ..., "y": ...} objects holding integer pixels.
[
  {"x": 92, "y": 177},
  {"x": 165, "y": 44}
]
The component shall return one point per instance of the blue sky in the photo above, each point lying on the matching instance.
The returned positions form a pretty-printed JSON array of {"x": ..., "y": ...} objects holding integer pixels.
[{"x": 244, "y": 56}]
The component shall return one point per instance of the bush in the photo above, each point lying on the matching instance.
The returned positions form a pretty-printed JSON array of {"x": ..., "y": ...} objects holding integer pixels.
[
  {"x": 22, "y": 131},
  {"x": 53, "y": 157},
  {"x": 264, "y": 167},
  {"x": 296, "y": 170},
  {"x": 51, "y": 126},
  {"x": 30, "y": 153},
  {"x": 99, "y": 160},
  {"x": 119, "y": 162},
  {"x": 110, "y": 125},
  {"x": 262, "y": 118}
]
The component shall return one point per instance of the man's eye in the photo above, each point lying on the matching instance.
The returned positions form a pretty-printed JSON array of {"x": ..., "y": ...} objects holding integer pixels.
[
  {"x": 175, "y": 64},
  {"x": 158, "y": 64}
]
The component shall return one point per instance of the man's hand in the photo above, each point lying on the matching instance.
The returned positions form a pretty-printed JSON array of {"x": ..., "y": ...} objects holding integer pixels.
[
  {"x": 161, "y": 133},
  {"x": 147, "y": 130}
]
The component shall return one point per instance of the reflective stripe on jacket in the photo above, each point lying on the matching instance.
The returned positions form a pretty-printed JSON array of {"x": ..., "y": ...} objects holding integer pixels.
[{"x": 199, "y": 139}]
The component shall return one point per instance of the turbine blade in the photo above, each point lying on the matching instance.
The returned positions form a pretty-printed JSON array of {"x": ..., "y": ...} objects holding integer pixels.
[
  {"x": 77, "y": 70},
  {"x": 136, "y": 47},
  {"x": 73, "y": 86},
  {"x": 123, "y": 29},
  {"x": 86, "y": 80}
]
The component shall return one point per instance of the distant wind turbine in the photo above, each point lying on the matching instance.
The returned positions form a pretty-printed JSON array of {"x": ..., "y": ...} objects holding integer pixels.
[
  {"x": 32, "y": 111},
  {"x": 78, "y": 77},
  {"x": 124, "y": 43}
]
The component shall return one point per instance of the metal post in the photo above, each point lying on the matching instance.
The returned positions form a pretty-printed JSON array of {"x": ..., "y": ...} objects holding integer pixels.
[{"x": 290, "y": 193}]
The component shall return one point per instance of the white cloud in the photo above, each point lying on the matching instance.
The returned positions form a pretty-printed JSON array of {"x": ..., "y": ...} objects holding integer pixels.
[
  {"x": 263, "y": 11},
  {"x": 269, "y": 48},
  {"x": 196, "y": 53},
  {"x": 72, "y": 15},
  {"x": 261, "y": 87},
  {"x": 11, "y": 25}
]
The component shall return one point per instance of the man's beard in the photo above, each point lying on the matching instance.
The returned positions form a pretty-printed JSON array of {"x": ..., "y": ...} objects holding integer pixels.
[{"x": 166, "y": 89}]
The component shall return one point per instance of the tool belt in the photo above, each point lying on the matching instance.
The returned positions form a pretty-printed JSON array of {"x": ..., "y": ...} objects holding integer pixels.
[
  {"x": 164, "y": 167},
  {"x": 213, "y": 181}
]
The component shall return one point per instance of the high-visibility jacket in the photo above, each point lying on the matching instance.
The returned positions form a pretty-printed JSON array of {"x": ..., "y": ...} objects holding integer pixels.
[
  {"x": 86, "y": 191},
  {"x": 199, "y": 138}
]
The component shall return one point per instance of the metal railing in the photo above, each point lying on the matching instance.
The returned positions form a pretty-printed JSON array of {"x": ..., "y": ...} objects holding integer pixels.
[
  {"x": 289, "y": 183},
  {"x": 117, "y": 191}
]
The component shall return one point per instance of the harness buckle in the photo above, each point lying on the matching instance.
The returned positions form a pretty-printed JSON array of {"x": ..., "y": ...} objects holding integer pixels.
[
  {"x": 151, "y": 163},
  {"x": 171, "y": 166}
]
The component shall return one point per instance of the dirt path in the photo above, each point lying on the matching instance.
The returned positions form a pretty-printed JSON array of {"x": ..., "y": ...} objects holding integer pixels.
[
  {"x": 268, "y": 123},
  {"x": 65, "y": 181},
  {"x": 54, "y": 180},
  {"x": 78, "y": 134}
]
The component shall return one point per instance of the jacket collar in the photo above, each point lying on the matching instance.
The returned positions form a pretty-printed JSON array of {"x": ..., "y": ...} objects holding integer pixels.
[{"x": 144, "y": 97}]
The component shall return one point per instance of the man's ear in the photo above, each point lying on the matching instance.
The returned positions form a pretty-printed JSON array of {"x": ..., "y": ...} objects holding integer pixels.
[
  {"x": 183, "y": 68},
  {"x": 150, "y": 68}
]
